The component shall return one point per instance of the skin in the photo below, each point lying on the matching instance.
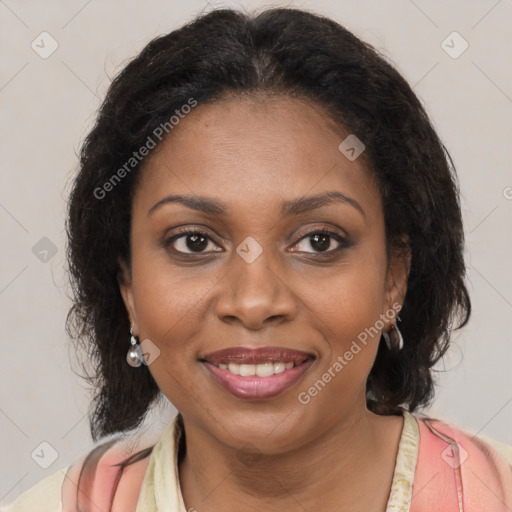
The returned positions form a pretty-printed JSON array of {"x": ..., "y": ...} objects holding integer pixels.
[{"x": 252, "y": 153}]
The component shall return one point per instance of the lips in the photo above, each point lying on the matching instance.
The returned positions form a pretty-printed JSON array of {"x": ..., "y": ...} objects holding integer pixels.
[
  {"x": 257, "y": 373},
  {"x": 241, "y": 355}
]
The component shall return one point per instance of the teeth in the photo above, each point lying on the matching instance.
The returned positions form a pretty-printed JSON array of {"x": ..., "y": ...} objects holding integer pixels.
[
  {"x": 264, "y": 369},
  {"x": 234, "y": 368},
  {"x": 246, "y": 370},
  {"x": 260, "y": 370},
  {"x": 279, "y": 367}
]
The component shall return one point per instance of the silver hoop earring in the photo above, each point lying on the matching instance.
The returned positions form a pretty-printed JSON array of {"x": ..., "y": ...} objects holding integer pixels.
[
  {"x": 393, "y": 338},
  {"x": 134, "y": 355}
]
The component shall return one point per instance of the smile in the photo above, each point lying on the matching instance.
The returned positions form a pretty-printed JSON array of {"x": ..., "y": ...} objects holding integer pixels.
[
  {"x": 257, "y": 373},
  {"x": 260, "y": 370}
]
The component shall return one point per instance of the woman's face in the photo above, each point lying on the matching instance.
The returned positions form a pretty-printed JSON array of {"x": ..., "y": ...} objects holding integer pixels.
[{"x": 258, "y": 273}]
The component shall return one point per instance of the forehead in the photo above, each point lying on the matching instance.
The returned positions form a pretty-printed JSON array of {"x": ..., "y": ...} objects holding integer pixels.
[{"x": 255, "y": 152}]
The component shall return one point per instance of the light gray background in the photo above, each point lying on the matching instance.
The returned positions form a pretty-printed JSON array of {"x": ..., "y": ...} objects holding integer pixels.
[{"x": 48, "y": 106}]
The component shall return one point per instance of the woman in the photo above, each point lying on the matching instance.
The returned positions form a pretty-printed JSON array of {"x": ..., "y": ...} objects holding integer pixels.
[{"x": 266, "y": 230}]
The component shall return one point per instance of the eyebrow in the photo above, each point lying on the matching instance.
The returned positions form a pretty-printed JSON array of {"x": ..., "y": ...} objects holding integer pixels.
[{"x": 213, "y": 206}]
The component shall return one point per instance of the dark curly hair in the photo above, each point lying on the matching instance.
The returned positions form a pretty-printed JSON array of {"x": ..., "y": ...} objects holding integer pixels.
[{"x": 279, "y": 51}]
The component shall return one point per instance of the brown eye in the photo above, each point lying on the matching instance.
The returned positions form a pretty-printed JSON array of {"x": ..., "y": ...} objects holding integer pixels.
[
  {"x": 189, "y": 242},
  {"x": 321, "y": 241}
]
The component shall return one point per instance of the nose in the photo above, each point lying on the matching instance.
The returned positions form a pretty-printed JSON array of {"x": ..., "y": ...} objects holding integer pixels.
[{"x": 255, "y": 294}]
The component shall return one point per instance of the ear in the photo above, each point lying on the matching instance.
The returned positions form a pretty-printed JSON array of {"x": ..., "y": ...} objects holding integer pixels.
[
  {"x": 397, "y": 276},
  {"x": 124, "y": 280}
]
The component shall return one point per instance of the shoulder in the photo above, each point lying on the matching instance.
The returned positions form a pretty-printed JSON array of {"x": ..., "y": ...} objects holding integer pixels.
[
  {"x": 110, "y": 476},
  {"x": 460, "y": 471},
  {"x": 502, "y": 448},
  {"x": 45, "y": 496}
]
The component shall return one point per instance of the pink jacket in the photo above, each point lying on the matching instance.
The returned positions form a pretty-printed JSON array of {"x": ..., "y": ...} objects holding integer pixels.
[{"x": 455, "y": 472}]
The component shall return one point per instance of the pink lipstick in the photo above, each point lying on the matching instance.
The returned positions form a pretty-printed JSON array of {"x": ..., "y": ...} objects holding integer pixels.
[{"x": 257, "y": 373}]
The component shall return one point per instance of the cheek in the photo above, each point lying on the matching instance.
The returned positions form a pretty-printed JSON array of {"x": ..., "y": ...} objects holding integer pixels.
[
  {"x": 168, "y": 313},
  {"x": 169, "y": 304},
  {"x": 352, "y": 299},
  {"x": 348, "y": 309}
]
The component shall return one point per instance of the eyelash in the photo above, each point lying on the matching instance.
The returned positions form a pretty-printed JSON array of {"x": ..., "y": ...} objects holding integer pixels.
[{"x": 343, "y": 243}]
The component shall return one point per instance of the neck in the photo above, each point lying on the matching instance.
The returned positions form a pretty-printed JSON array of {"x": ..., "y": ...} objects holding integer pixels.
[{"x": 350, "y": 463}]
